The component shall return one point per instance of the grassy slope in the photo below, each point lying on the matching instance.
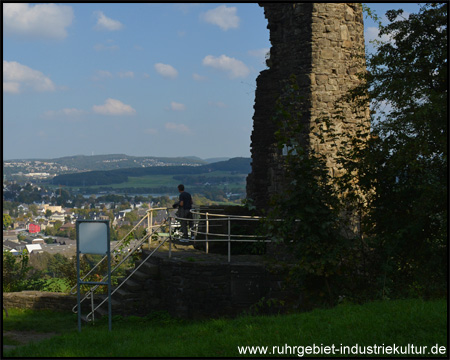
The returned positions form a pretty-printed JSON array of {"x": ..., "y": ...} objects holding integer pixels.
[{"x": 400, "y": 322}]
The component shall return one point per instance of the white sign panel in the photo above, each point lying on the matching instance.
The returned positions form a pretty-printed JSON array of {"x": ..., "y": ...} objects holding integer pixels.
[{"x": 93, "y": 237}]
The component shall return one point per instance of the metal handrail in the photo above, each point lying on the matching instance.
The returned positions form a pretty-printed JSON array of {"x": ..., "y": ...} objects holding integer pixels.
[
  {"x": 131, "y": 252},
  {"x": 119, "y": 243},
  {"x": 95, "y": 287},
  {"x": 229, "y": 238},
  {"x": 243, "y": 217},
  {"x": 168, "y": 221},
  {"x": 88, "y": 316}
]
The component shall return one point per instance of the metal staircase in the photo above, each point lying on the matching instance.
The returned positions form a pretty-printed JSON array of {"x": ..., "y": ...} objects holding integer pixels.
[
  {"x": 128, "y": 289},
  {"x": 151, "y": 231}
]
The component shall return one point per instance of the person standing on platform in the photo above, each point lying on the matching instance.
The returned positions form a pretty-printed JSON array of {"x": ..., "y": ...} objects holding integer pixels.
[{"x": 184, "y": 212}]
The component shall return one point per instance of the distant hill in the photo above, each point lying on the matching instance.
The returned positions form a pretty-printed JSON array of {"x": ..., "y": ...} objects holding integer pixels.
[
  {"x": 115, "y": 161},
  {"x": 239, "y": 165},
  {"x": 82, "y": 163},
  {"x": 213, "y": 160},
  {"x": 235, "y": 165},
  {"x": 209, "y": 160}
]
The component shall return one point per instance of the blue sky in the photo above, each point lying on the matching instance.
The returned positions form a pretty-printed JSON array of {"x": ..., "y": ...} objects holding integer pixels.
[{"x": 137, "y": 79}]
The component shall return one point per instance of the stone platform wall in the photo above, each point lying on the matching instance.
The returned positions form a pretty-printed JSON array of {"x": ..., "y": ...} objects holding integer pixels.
[
  {"x": 39, "y": 300},
  {"x": 196, "y": 289},
  {"x": 195, "y": 285}
]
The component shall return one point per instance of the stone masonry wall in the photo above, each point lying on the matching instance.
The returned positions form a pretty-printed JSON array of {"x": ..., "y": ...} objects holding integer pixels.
[
  {"x": 197, "y": 289},
  {"x": 39, "y": 300},
  {"x": 196, "y": 285},
  {"x": 322, "y": 44}
]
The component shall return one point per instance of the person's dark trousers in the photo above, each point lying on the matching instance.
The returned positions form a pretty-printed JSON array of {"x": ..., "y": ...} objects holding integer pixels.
[{"x": 186, "y": 214}]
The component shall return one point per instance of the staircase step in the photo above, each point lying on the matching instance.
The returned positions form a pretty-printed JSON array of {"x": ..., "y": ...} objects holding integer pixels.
[
  {"x": 102, "y": 311},
  {"x": 131, "y": 285},
  {"x": 139, "y": 276},
  {"x": 148, "y": 268},
  {"x": 85, "y": 318},
  {"x": 101, "y": 297},
  {"x": 122, "y": 293}
]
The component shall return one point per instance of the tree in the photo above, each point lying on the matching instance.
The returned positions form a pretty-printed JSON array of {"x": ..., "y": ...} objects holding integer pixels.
[
  {"x": 6, "y": 221},
  {"x": 15, "y": 270},
  {"x": 34, "y": 209},
  {"x": 57, "y": 225},
  {"x": 405, "y": 163},
  {"x": 132, "y": 216},
  {"x": 401, "y": 170},
  {"x": 55, "y": 263}
]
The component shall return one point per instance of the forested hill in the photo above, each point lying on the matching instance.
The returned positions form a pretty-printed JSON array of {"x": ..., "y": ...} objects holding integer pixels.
[{"x": 235, "y": 165}]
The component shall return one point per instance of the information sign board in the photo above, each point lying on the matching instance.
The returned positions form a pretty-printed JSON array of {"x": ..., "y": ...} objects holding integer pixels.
[{"x": 93, "y": 238}]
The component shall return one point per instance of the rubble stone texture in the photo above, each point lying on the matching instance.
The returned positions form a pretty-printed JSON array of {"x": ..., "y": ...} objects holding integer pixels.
[{"x": 322, "y": 44}]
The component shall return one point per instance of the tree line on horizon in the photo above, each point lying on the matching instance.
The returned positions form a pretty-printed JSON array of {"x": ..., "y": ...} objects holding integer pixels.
[{"x": 108, "y": 177}]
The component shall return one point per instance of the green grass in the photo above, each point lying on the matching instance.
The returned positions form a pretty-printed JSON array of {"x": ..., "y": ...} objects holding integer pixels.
[{"x": 400, "y": 322}]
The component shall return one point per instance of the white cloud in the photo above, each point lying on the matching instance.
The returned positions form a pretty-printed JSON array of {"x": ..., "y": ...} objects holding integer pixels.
[
  {"x": 11, "y": 87},
  {"x": 371, "y": 34},
  {"x": 167, "y": 71},
  {"x": 16, "y": 76},
  {"x": 198, "y": 77},
  {"x": 177, "y": 106},
  {"x": 126, "y": 74},
  {"x": 181, "y": 128},
  {"x": 113, "y": 107},
  {"x": 105, "y": 23},
  {"x": 46, "y": 21},
  {"x": 234, "y": 67},
  {"x": 222, "y": 16}
]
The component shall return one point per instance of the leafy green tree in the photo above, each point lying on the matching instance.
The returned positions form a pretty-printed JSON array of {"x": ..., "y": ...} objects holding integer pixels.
[
  {"x": 57, "y": 225},
  {"x": 50, "y": 231},
  {"x": 34, "y": 209},
  {"x": 7, "y": 221},
  {"x": 12, "y": 207},
  {"x": 132, "y": 216},
  {"x": 55, "y": 263},
  {"x": 401, "y": 170},
  {"x": 404, "y": 167},
  {"x": 72, "y": 234},
  {"x": 15, "y": 270},
  {"x": 124, "y": 205}
]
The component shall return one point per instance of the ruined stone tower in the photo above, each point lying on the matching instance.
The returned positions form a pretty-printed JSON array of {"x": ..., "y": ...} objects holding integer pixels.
[{"x": 322, "y": 44}]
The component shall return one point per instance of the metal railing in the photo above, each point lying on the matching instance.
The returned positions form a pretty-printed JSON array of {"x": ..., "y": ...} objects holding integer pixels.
[
  {"x": 151, "y": 230},
  {"x": 211, "y": 220}
]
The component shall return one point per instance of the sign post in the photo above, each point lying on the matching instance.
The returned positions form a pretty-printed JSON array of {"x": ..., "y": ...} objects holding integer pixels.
[{"x": 93, "y": 238}]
